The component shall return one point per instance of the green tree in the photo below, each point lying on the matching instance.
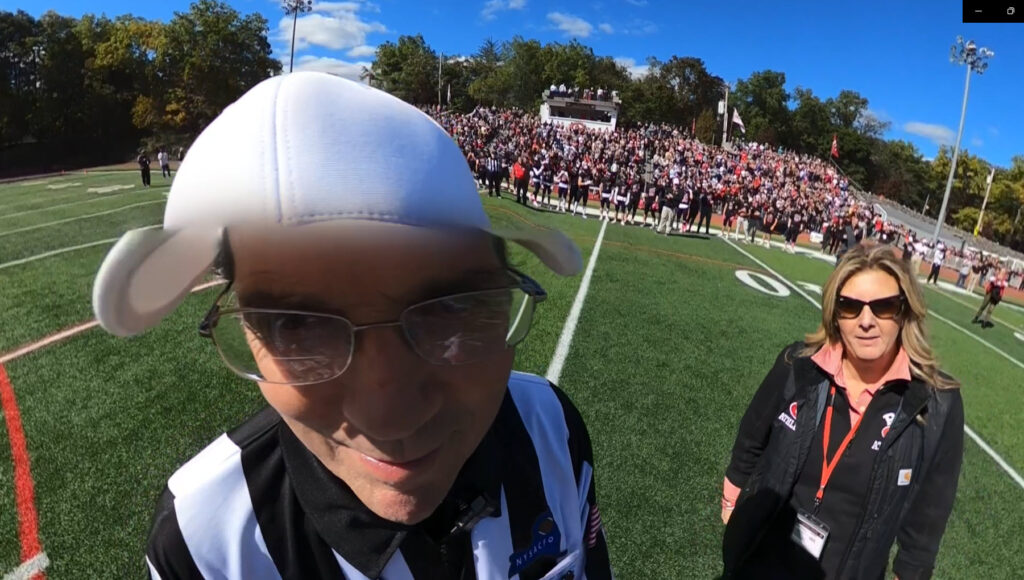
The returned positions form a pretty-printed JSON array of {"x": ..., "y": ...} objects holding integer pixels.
[
  {"x": 762, "y": 102},
  {"x": 695, "y": 89},
  {"x": 208, "y": 57},
  {"x": 811, "y": 130},
  {"x": 408, "y": 69},
  {"x": 20, "y": 55}
]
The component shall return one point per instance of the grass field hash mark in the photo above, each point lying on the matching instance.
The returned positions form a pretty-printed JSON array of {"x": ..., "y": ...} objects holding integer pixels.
[{"x": 981, "y": 443}]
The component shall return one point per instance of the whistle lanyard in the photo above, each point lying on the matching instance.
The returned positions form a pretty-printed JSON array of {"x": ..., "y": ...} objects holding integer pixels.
[{"x": 828, "y": 466}]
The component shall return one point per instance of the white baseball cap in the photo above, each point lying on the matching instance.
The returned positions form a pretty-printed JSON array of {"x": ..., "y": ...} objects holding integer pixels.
[{"x": 299, "y": 149}]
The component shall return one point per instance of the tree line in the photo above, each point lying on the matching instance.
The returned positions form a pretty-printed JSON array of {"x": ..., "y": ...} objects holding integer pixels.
[
  {"x": 76, "y": 91},
  {"x": 89, "y": 90},
  {"x": 681, "y": 91}
]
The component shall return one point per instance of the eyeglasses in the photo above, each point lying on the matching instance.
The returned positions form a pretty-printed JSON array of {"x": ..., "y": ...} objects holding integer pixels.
[
  {"x": 301, "y": 348},
  {"x": 885, "y": 308}
]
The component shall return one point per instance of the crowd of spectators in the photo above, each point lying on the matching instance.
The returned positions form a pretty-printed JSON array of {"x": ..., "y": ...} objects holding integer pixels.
[
  {"x": 598, "y": 94},
  {"x": 677, "y": 182}
]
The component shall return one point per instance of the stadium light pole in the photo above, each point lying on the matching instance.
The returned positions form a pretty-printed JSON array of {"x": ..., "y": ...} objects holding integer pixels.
[
  {"x": 293, "y": 8},
  {"x": 976, "y": 60}
]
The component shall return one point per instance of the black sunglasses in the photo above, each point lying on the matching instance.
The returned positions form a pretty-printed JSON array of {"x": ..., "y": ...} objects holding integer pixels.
[{"x": 887, "y": 308}]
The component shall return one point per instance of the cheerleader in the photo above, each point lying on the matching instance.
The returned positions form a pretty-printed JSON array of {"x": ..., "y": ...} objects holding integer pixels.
[
  {"x": 683, "y": 211},
  {"x": 793, "y": 231},
  {"x": 635, "y": 188},
  {"x": 585, "y": 182},
  {"x": 563, "y": 189},
  {"x": 535, "y": 173},
  {"x": 621, "y": 201},
  {"x": 606, "y": 197},
  {"x": 547, "y": 176},
  {"x": 771, "y": 220},
  {"x": 651, "y": 202}
]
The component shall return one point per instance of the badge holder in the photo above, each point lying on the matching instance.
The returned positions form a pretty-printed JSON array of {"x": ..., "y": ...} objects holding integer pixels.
[{"x": 810, "y": 533}]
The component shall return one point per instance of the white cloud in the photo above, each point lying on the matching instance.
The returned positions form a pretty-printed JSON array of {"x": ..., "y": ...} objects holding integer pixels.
[
  {"x": 993, "y": 132},
  {"x": 938, "y": 134},
  {"x": 571, "y": 25},
  {"x": 492, "y": 7},
  {"x": 605, "y": 28},
  {"x": 349, "y": 70},
  {"x": 640, "y": 27},
  {"x": 635, "y": 70},
  {"x": 637, "y": 2},
  {"x": 976, "y": 142},
  {"x": 362, "y": 50},
  {"x": 879, "y": 114},
  {"x": 333, "y": 25}
]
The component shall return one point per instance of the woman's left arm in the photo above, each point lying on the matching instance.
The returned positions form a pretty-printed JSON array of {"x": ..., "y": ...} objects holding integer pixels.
[{"x": 922, "y": 528}]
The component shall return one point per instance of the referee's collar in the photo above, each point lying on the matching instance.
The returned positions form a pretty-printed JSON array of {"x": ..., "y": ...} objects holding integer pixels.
[{"x": 366, "y": 540}]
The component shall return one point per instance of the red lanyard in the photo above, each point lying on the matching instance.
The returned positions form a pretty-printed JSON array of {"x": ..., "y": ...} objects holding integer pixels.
[{"x": 826, "y": 465}]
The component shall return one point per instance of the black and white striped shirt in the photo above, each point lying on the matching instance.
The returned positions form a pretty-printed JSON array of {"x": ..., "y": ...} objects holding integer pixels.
[{"x": 257, "y": 504}]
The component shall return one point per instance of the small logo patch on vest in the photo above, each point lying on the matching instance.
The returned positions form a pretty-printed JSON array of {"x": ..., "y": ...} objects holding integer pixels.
[
  {"x": 789, "y": 419},
  {"x": 546, "y": 541}
]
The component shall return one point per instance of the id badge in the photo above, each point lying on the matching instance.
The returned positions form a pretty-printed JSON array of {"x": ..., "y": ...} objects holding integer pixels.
[{"x": 810, "y": 533}]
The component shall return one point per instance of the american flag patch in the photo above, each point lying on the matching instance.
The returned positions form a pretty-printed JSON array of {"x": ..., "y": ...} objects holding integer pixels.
[{"x": 593, "y": 526}]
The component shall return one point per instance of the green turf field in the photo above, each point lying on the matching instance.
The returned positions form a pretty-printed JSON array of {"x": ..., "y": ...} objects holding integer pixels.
[{"x": 668, "y": 350}]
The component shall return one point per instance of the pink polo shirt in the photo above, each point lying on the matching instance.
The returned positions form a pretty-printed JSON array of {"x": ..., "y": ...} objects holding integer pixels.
[{"x": 830, "y": 359}]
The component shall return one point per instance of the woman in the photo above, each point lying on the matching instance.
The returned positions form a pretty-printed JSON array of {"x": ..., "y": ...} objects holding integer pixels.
[{"x": 867, "y": 371}]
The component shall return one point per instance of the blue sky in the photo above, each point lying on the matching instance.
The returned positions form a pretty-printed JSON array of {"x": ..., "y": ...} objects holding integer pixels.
[{"x": 893, "y": 53}]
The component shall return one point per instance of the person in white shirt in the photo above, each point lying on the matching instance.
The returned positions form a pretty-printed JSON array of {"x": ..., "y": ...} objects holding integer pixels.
[
  {"x": 938, "y": 256},
  {"x": 165, "y": 163}
]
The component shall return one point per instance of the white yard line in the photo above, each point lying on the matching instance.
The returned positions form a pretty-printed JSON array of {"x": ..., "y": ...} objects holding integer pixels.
[
  {"x": 29, "y": 568},
  {"x": 81, "y": 217},
  {"x": 74, "y": 330},
  {"x": 975, "y": 307},
  {"x": 59, "y": 206},
  {"x": 569, "y": 329},
  {"x": 984, "y": 446},
  {"x": 64, "y": 250}
]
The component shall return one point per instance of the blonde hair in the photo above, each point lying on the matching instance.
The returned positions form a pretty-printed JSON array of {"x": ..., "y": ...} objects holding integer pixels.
[{"x": 913, "y": 338}]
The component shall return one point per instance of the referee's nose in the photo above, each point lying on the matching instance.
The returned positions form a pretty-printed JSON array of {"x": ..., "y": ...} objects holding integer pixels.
[{"x": 388, "y": 395}]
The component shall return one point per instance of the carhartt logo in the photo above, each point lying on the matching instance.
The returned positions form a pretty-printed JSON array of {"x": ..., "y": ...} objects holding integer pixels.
[{"x": 789, "y": 419}]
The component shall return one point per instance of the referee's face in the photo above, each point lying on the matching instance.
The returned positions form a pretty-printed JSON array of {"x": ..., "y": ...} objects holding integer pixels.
[{"x": 394, "y": 427}]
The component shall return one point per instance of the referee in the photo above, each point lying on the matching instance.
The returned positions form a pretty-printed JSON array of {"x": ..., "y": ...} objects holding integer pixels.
[{"x": 378, "y": 315}]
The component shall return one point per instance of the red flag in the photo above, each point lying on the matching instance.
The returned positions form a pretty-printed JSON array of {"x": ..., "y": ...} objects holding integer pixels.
[{"x": 835, "y": 146}]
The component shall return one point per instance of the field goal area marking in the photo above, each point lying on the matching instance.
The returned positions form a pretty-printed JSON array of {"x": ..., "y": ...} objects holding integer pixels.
[{"x": 970, "y": 432}]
